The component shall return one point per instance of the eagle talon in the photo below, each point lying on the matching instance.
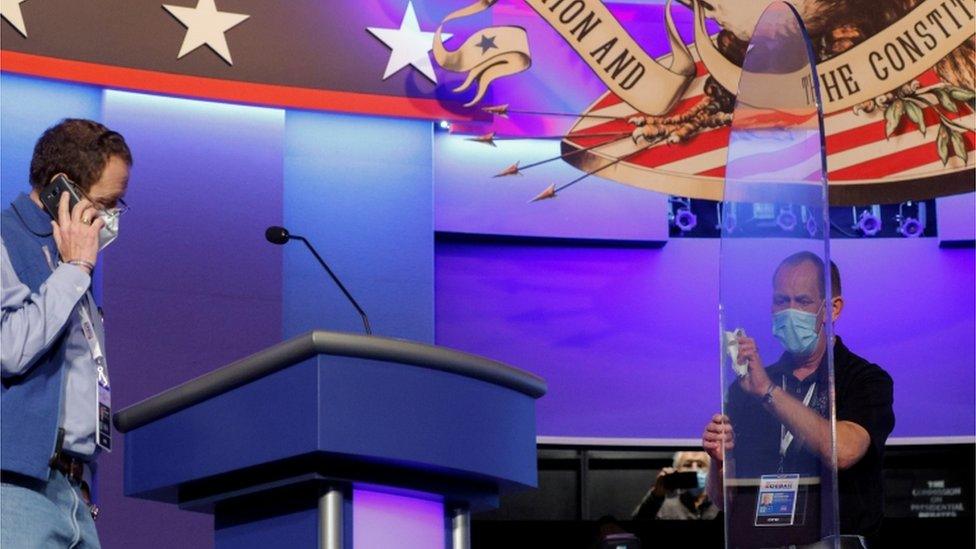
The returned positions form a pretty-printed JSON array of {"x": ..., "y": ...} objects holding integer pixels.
[{"x": 682, "y": 127}]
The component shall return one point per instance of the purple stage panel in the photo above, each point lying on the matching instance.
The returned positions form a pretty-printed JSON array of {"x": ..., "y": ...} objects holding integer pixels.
[
  {"x": 382, "y": 520},
  {"x": 359, "y": 189},
  {"x": 191, "y": 284},
  {"x": 910, "y": 307},
  {"x": 626, "y": 338},
  {"x": 957, "y": 217}
]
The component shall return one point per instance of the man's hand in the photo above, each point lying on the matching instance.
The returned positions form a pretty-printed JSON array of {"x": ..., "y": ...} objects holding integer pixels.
[
  {"x": 76, "y": 231},
  {"x": 659, "y": 489},
  {"x": 755, "y": 382},
  {"x": 717, "y": 438}
]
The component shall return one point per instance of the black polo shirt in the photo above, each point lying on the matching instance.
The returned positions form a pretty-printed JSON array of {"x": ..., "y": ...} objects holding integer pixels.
[{"x": 864, "y": 395}]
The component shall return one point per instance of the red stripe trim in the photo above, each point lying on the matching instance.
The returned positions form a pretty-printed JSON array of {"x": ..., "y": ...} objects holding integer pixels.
[
  {"x": 900, "y": 161},
  {"x": 699, "y": 144},
  {"x": 839, "y": 142},
  {"x": 608, "y": 100},
  {"x": 869, "y": 133},
  {"x": 784, "y": 158},
  {"x": 616, "y": 126},
  {"x": 228, "y": 90},
  {"x": 658, "y": 155}
]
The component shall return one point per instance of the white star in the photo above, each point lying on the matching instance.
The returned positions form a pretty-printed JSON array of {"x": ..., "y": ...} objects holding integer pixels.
[
  {"x": 205, "y": 25},
  {"x": 408, "y": 45},
  {"x": 10, "y": 10}
]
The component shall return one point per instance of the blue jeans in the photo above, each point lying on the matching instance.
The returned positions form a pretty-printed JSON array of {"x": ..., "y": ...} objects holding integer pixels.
[{"x": 52, "y": 513}]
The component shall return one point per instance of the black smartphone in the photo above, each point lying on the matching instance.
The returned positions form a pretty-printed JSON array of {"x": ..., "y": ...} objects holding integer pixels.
[
  {"x": 51, "y": 194},
  {"x": 681, "y": 481}
]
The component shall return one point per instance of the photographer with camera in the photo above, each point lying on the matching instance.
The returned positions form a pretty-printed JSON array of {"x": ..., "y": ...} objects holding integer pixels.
[{"x": 679, "y": 491}]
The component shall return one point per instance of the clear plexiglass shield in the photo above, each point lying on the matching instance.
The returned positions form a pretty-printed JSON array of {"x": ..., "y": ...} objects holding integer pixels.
[{"x": 780, "y": 481}]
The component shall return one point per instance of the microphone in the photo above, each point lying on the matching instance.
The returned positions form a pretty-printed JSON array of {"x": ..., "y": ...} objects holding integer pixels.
[
  {"x": 277, "y": 235},
  {"x": 280, "y": 235}
]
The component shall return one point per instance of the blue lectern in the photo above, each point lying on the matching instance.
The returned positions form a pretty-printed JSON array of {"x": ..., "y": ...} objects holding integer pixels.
[{"x": 337, "y": 440}]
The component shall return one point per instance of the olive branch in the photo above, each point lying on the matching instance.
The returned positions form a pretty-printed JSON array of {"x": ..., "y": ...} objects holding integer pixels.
[{"x": 942, "y": 100}]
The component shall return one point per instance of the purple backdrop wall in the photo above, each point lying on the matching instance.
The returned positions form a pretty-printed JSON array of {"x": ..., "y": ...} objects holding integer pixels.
[
  {"x": 190, "y": 285},
  {"x": 627, "y": 339}
]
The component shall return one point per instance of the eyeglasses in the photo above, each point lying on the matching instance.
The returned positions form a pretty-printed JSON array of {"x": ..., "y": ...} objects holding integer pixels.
[{"x": 120, "y": 206}]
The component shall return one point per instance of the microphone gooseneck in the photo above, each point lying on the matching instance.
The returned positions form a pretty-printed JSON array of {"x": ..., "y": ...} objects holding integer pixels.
[{"x": 280, "y": 235}]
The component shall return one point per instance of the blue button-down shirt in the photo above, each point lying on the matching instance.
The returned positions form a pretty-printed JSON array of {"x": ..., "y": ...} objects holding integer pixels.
[{"x": 30, "y": 324}]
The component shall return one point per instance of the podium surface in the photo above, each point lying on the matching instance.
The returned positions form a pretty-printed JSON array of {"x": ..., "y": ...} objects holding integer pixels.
[{"x": 278, "y": 445}]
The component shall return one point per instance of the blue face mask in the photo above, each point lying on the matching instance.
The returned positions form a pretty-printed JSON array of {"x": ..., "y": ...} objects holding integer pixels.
[
  {"x": 702, "y": 479},
  {"x": 796, "y": 330}
]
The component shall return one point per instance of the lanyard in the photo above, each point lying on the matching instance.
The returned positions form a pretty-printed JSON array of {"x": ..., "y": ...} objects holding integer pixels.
[
  {"x": 786, "y": 437},
  {"x": 88, "y": 327},
  {"x": 103, "y": 391}
]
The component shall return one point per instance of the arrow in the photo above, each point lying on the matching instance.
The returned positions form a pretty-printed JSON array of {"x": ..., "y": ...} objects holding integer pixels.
[
  {"x": 488, "y": 139},
  {"x": 551, "y": 190},
  {"x": 519, "y": 169},
  {"x": 504, "y": 110}
]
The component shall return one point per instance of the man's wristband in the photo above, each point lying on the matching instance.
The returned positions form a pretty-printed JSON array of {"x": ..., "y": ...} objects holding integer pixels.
[
  {"x": 82, "y": 263},
  {"x": 767, "y": 398}
]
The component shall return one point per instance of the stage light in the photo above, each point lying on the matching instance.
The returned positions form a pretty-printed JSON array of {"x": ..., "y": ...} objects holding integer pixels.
[
  {"x": 728, "y": 216},
  {"x": 910, "y": 227},
  {"x": 809, "y": 221},
  {"x": 868, "y": 223},
  {"x": 680, "y": 214},
  {"x": 811, "y": 226},
  {"x": 786, "y": 220},
  {"x": 444, "y": 125},
  {"x": 685, "y": 220}
]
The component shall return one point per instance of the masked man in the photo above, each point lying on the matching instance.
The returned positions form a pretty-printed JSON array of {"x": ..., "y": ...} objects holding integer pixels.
[
  {"x": 55, "y": 400},
  {"x": 666, "y": 501},
  {"x": 778, "y": 417}
]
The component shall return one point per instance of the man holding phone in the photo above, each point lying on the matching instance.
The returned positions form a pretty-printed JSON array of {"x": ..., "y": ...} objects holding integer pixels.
[{"x": 55, "y": 400}]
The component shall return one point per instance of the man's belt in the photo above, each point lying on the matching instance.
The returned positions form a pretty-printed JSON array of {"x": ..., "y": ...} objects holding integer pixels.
[{"x": 72, "y": 467}]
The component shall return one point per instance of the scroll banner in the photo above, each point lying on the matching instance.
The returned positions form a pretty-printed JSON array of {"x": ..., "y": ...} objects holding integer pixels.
[
  {"x": 485, "y": 56},
  {"x": 882, "y": 63},
  {"x": 629, "y": 72},
  {"x": 887, "y": 60},
  {"x": 900, "y": 76}
]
